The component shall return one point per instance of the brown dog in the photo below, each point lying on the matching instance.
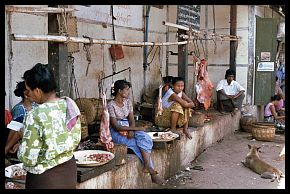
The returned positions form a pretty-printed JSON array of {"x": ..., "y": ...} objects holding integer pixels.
[{"x": 259, "y": 166}]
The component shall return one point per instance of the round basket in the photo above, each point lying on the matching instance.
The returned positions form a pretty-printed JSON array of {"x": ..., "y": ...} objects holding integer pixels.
[
  {"x": 263, "y": 131},
  {"x": 196, "y": 120},
  {"x": 246, "y": 123},
  {"x": 92, "y": 108}
]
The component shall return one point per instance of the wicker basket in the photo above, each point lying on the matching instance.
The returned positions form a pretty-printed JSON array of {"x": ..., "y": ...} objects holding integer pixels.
[
  {"x": 196, "y": 120},
  {"x": 263, "y": 131},
  {"x": 246, "y": 123},
  {"x": 84, "y": 132},
  {"x": 92, "y": 108}
]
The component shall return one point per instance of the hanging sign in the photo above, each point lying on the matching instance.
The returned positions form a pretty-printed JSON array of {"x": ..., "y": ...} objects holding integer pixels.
[
  {"x": 265, "y": 56},
  {"x": 126, "y": 15},
  {"x": 189, "y": 16},
  {"x": 265, "y": 66}
]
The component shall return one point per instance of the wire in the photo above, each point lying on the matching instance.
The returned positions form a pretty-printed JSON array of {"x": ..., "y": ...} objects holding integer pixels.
[
  {"x": 153, "y": 55},
  {"x": 213, "y": 14}
]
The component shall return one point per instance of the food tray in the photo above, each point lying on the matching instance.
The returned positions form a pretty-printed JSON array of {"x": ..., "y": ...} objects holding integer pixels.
[
  {"x": 157, "y": 136},
  {"x": 83, "y": 160},
  {"x": 10, "y": 172}
]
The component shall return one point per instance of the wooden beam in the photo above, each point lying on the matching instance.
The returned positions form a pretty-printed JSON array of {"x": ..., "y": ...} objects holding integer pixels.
[
  {"x": 57, "y": 58},
  {"x": 52, "y": 38},
  {"x": 38, "y": 9},
  {"x": 183, "y": 61},
  {"x": 233, "y": 32}
]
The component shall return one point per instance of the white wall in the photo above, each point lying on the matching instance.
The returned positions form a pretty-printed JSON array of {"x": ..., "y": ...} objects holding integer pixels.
[{"x": 25, "y": 54}]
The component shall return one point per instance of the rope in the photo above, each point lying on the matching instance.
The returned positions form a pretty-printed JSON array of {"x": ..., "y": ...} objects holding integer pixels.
[
  {"x": 131, "y": 85},
  {"x": 73, "y": 82},
  {"x": 114, "y": 38},
  {"x": 86, "y": 48},
  {"x": 153, "y": 55},
  {"x": 62, "y": 26},
  {"x": 160, "y": 61},
  {"x": 202, "y": 48},
  {"x": 213, "y": 14}
]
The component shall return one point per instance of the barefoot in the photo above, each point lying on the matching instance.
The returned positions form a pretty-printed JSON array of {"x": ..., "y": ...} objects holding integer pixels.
[
  {"x": 156, "y": 178},
  {"x": 186, "y": 132}
]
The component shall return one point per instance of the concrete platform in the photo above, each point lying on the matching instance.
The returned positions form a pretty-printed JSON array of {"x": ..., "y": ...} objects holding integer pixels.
[{"x": 169, "y": 159}]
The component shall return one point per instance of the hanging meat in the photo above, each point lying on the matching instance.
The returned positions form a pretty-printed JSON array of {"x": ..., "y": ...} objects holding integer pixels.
[
  {"x": 105, "y": 134},
  {"x": 204, "y": 86},
  {"x": 159, "y": 103}
]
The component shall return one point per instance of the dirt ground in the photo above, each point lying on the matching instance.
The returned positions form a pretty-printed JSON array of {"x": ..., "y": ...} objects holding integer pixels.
[{"x": 219, "y": 166}]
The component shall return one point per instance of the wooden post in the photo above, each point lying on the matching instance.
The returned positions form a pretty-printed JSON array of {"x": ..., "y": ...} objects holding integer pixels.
[
  {"x": 57, "y": 57},
  {"x": 233, "y": 32},
  {"x": 251, "y": 55},
  {"x": 182, "y": 60}
]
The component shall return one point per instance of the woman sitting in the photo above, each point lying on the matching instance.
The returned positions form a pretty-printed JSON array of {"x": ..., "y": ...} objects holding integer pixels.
[
  {"x": 19, "y": 111},
  {"x": 123, "y": 130},
  {"x": 270, "y": 114},
  {"x": 176, "y": 108}
]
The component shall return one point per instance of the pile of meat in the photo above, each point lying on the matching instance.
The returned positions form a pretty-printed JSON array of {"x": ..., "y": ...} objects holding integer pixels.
[
  {"x": 99, "y": 158},
  {"x": 18, "y": 173},
  {"x": 105, "y": 134},
  {"x": 204, "y": 86},
  {"x": 11, "y": 185}
]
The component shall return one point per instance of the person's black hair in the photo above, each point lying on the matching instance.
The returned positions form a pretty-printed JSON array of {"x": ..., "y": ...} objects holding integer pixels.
[
  {"x": 230, "y": 72},
  {"x": 167, "y": 79},
  {"x": 20, "y": 88},
  {"x": 276, "y": 78},
  {"x": 275, "y": 97},
  {"x": 176, "y": 79},
  {"x": 40, "y": 76},
  {"x": 120, "y": 85}
]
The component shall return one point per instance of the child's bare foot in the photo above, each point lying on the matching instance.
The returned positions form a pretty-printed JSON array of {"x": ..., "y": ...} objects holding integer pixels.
[
  {"x": 186, "y": 132},
  {"x": 156, "y": 178}
]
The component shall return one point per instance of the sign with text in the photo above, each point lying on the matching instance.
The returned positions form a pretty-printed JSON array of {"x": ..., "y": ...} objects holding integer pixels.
[
  {"x": 189, "y": 16},
  {"x": 126, "y": 15},
  {"x": 266, "y": 66}
]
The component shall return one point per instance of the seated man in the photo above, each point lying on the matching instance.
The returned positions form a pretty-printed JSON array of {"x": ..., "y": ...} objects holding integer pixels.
[{"x": 230, "y": 94}]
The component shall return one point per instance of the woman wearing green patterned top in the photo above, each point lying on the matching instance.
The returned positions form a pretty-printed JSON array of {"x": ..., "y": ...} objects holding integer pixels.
[{"x": 52, "y": 131}]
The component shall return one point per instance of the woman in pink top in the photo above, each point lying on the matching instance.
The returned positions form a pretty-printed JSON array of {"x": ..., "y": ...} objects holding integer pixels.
[{"x": 270, "y": 114}]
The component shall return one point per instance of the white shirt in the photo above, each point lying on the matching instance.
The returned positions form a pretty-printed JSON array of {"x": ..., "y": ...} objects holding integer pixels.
[
  {"x": 231, "y": 89},
  {"x": 166, "y": 97}
]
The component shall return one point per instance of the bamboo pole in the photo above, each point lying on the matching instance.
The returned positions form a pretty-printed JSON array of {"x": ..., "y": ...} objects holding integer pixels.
[
  {"x": 52, "y": 38},
  {"x": 38, "y": 9},
  {"x": 222, "y": 36}
]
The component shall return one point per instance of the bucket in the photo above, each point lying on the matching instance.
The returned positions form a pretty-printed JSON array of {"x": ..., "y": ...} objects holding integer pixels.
[
  {"x": 246, "y": 123},
  {"x": 196, "y": 120}
]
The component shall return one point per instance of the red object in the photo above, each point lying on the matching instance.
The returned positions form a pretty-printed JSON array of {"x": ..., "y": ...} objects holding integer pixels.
[
  {"x": 116, "y": 52},
  {"x": 105, "y": 134},
  {"x": 204, "y": 96},
  {"x": 8, "y": 117}
]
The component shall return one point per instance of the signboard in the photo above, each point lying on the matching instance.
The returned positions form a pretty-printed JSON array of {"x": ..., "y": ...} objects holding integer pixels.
[
  {"x": 189, "y": 16},
  {"x": 126, "y": 15},
  {"x": 265, "y": 56},
  {"x": 265, "y": 66}
]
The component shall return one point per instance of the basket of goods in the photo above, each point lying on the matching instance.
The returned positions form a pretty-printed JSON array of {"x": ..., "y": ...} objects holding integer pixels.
[
  {"x": 92, "y": 108},
  {"x": 263, "y": 131},
  {"x": 246, "y": 123},
  {"x": 196, "y": 120}
]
